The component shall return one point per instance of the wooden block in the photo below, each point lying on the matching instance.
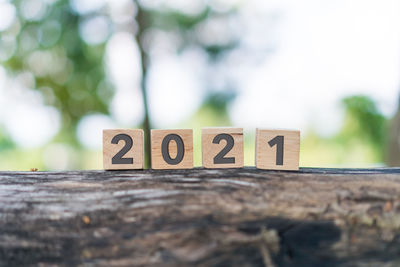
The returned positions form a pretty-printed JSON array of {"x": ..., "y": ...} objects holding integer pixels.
[
  {"x": 277, "y": 149},
  {"x": 123, "y": 149},
  {"x": 222, "y": 147},
  {"x": 172, "y": 149}
]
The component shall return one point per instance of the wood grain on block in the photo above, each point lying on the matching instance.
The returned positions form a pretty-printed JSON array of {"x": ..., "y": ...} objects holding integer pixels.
[
  {"x": 123, "y": 149},
  {"x": 277, "y": 149},
  {"x": 222, "y": 147},
  {"x": 172, "y": 149}
]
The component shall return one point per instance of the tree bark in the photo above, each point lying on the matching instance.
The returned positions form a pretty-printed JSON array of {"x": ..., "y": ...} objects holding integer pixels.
[{"x": 200, "y": 217}]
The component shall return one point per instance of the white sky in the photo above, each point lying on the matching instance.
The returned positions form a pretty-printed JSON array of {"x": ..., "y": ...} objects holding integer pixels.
[{"x": 326, "y": 50}]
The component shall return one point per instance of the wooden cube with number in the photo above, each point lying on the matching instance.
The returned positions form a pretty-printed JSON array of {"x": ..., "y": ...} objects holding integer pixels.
[
  {"x": 172, "y": 149},
  {"x": 222, "y": 147},
  {"x": 123, "y": 149},
  {"x": 277, "y": 149}
]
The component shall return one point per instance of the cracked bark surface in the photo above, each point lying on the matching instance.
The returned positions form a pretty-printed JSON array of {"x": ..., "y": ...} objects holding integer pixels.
[{"x": 200, "y": 217}]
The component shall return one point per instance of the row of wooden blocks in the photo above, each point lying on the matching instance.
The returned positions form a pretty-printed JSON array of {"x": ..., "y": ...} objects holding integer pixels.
[{"x": 221, "y": 148}]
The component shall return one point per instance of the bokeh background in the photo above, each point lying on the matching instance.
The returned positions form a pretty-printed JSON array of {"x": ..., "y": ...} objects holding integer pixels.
[{"x": 69, "y": 69}]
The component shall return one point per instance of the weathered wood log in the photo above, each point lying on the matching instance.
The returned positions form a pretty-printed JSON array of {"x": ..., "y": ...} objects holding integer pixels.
[{"x": 231, "y": 217}]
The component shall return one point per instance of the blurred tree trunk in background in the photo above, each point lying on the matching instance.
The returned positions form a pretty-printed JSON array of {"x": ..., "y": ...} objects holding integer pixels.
[
  {"x": 186, "y": 27},
  {"x": 393, "y": 149},
  {"x": 142, "y": 24}
]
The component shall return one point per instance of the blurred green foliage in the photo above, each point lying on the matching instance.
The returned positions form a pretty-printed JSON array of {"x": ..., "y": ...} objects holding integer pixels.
[
  {"x": 365, "y": 121},
  {"x": 68, "y": 72},
  {"x": 5, "y": 141},
  {"x": 361, "y": 140}
]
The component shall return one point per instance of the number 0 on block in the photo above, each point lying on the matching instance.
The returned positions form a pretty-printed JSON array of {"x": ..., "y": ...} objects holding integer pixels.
[
  {"x": 172, "y": 149},
  {"x": 123, "y": 149},
  {"x": 277, "y": 149}
]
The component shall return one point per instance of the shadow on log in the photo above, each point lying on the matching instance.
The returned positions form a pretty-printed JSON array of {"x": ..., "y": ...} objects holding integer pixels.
[{"x": 199, "y": 217}]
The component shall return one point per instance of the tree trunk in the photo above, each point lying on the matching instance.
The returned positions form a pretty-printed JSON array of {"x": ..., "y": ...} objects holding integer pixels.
[
  {"x": 230, "y": 217},
  {"x": 393, "y": 148},
  {"x": 144, "y": 65}
]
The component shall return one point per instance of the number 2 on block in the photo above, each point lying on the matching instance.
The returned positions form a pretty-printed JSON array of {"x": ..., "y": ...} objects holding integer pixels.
[
  {"x": 220, "y": 157},
  {"x": 222, "y": 147},
  {"x": 123, "y": 149},
  {"x": 118, "y": 158}
]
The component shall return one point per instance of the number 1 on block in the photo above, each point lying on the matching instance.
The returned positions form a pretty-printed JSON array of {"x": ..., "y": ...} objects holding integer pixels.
[
  {"x": 277, "y": 149},
  {"x": 123, "y": 149}
]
